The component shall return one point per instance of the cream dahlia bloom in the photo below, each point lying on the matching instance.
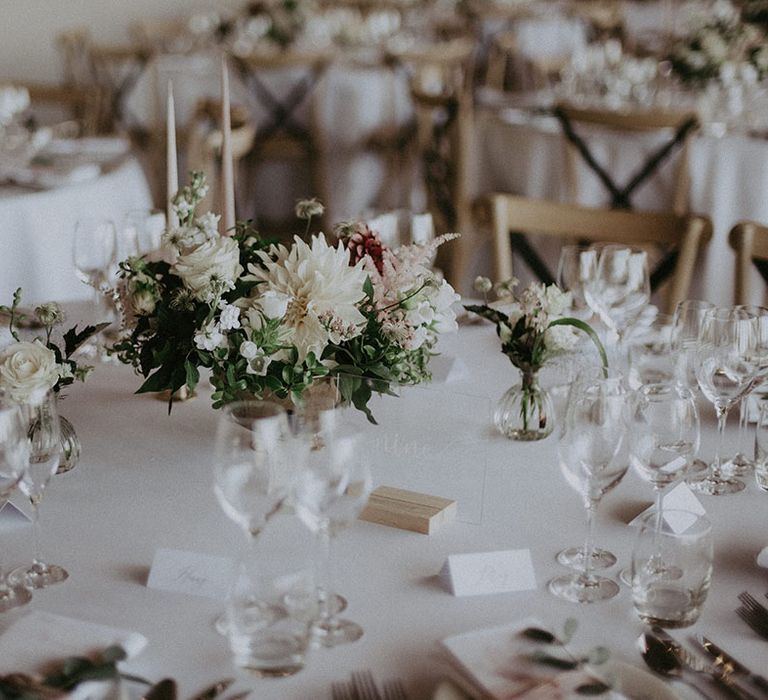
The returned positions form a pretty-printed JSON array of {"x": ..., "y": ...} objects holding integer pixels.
[
  {"x": 210, "y": 269},
  {"x": 323, "y": 290}
]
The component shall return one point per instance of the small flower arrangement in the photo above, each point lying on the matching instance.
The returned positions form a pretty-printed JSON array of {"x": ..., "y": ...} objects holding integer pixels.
[
  {"x": 28, "y": 369},
  {"x": 273, "y": 320}
]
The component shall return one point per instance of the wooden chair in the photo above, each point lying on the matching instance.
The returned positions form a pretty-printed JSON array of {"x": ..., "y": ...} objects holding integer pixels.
[
  {"x": 509, "y": 70},
  {"x": 684, "y": 235},
  {"x": 78, "y": 105},
  {"x": 204, "y": 141},
  {"x": 750, "y": 243},
  {"x": 682, "y": 124}
]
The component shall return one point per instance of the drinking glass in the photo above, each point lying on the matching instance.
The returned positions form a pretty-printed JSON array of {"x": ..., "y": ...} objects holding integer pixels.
[
  {"x": 686, "y": 329},
  {"x": 650, "y": 355},
  {"x": 14, "y": 457},
  {"x": 725, "y": 370},
  {"x": 592, "y": 456},
  {"x": 331, "y": 492},
  {"x": 685, "y": 544},
  {"x": 575, "y": 270},
  {"x": 761, "y": 446},
  {"x": 141, "y": 232},
  {"x": 44, "y": 436},
  {"x": 94, "y": 251}
]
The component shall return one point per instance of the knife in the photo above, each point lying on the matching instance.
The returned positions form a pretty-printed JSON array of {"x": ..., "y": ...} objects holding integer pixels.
[{"x": 730, "y": 665}]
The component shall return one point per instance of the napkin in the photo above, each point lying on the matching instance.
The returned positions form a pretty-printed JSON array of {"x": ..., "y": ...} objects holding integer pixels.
[
  {"x": 494, "y": 661},
  {"x": 39, "y": 638}
]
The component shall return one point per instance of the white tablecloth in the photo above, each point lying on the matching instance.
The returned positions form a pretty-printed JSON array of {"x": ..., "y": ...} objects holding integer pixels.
[
  {"x": 145, "y": 482},
  {"x": 728, "y": 181},
  {"x": 37, "y": 228}
]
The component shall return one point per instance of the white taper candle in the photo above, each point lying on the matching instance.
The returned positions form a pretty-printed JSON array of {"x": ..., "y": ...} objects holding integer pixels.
[
  {"x": 172, "y": 179},
  {"x": 227, "y": 169}
]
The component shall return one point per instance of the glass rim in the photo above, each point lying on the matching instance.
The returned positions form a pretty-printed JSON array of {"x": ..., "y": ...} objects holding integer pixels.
[{"x": 262, "y": 409}]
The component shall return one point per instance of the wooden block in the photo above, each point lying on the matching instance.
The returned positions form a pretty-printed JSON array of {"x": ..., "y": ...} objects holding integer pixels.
[{"x": 408, "y": 510}]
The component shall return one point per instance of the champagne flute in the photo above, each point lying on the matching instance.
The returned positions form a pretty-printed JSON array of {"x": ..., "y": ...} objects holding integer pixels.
[
  {"x": 725, "y": 371},
  {"x": 592, "y": 455},
  {"x": 331, "y": 492},
  {"x": 44, "y": 435},
  {"x": 14, "y": 457},
  {"x": 252, "y": 474}
]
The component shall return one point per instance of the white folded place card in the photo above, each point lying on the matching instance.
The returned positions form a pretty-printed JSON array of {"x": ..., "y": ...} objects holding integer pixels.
[
  {"x": 17, "y": 510},
  {"x": 679, "y": 498},
  {"x": 39, "y": 638},
  {"x": 481, "y": 573},
  {"x": 192, "y": 573}
]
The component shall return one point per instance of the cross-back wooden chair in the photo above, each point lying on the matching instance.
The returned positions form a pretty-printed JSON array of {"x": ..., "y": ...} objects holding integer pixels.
[
  {"x": 681, "y": 124},
  {"x": 749, "y": 241},
  {"x": 441, "y": 90},
  {"x": 509, "y": 70},
  {"x": 75, "y": 104},
  {"x": 684, "y": 235},
  {"x": 204, "y": 141}
]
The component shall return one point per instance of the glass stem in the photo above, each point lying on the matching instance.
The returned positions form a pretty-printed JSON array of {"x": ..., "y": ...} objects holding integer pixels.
[
  {"x": 589, "y": 544},
  {"x": 742, "y": 425},
  {"x": 722, "y": 417},
  {"x": 37, "y": 555},
  {"x": 325, "y": 574}
]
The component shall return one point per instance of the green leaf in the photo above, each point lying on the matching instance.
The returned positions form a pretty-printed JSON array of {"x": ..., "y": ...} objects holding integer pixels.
[
  {"x": 554, "y": 661},
  {"x": 577, "y": 323},
  {"x": 569, "y": 629},
  {"x": 192, "y": 375},
  {"x": 596, "y": 688},
  {"x": 537, "y": 634},
  {"x": 113, "y": 654},
  {"x": 599, "y": 655},
  {"x": 73, "y": 340},
  {"x": 488, "y": 313},
  {"x": 159, "y": 381}
]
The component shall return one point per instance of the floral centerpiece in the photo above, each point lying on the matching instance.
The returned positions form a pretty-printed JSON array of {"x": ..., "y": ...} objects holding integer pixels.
[
  {"x": 31, "y": 368},
  {"x": 532, "y": 329},
  {"x": 275, "y": 320}
]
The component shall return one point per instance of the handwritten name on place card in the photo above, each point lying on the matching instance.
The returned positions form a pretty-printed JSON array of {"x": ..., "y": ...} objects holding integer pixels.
[
  {"x": 189, "y": 572},
  {"x": 481, "y": 573}
]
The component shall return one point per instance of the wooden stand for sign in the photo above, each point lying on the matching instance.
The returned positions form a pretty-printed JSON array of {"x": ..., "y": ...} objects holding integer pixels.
[{"x": 408, "y": 510}]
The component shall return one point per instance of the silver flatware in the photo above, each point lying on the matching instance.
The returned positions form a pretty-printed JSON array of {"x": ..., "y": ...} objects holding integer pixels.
[
  {"x": 729, "y": 664},
  {"x": 365, "y": 686},
  {"x": 394, "y": 690},
  {"x": 662, "y": 659},
  {"x": 341, "y": 691},
  {"x": 213, "y": 691},
  {"x": 757, "y": 625},
  {"x": 753, "y": 613}
]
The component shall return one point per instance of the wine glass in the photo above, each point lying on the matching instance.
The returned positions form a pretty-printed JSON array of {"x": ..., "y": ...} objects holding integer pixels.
[
  {"x": 663, "y": 440},
  {"x": 94, "y": 251},
  {"x": 686, "y": 329},
  {"x": 253, "y": 476},
  {"x": 14, "y": 457},
  {"x": 725, "y": 371},
  {"x": 592, "y": 455},
  {"x": 621, "y": 288},
  {"x": 331, "y": 492},
  {"x": 141, "y": 232},
  {"x": 44, "y": 436},
  {"x": 576, "y": 269}
]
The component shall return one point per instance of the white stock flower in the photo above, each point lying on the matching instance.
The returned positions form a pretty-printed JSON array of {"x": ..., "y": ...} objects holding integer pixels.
[
  {"x": 556, "y": 301},
  {"x": 210, "y": 337},
  {"x": 317, "y": 280},
  {"x": 27, "y": 370},
  {"x": 230, "y": 316},
  {"x": 421, "y": 314},
  {"x": 258, "y": 360},
  {"x": 211, "y": 268}
]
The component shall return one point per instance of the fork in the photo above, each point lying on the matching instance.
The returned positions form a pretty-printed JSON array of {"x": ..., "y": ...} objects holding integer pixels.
[
  {"x": 365, "y": 686},
  {"x": 341, "y": 691},
  {"x": 757, "y": 613},
  {"x": 757, "y": 624},
  {"x": 394, "y": 690}
]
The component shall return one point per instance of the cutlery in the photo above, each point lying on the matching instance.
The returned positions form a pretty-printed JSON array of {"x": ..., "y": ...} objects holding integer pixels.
[
  {"x": 663, "y": 660},
  {"x": 214, "y": 690},
  {"x": 365, "y": 686},
  {"x": 341, "y": 691},
  {"x": 758, "y": 626},
  {"x": 729, "y": 664},
  {"x": 697, "y": 665},
  {"x": 164, "y": 690},
  {"x": 394, "y": 690}
]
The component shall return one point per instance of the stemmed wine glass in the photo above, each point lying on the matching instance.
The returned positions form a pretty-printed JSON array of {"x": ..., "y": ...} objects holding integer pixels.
[
  {"x": 141, "y": 231},
  {"x": 576, "y": 269},
  {"x": 592, "y": 455},
  {"x": 725, "y": 370},
  {"x": 663, "y": 439},
  {"x": 253, "y": 476},
  {"x": 686, "y": 329},
  {"x": 14, "y": 457},
  {"x": 330, "y": 493},
  {"x": 94, "y": 251},
  {"x": 44, "y": 435}
]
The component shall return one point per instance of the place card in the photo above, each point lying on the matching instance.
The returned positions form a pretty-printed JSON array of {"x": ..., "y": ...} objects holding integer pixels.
[
  {"x": 192, "y": 573},
  {"x": 16, "y": 511},
  {"x": 679, "y": 498},
  {"x": 762, "y": 558},
  {"x": 408, "y": 510},
  {"x": 481, "y": 573}
]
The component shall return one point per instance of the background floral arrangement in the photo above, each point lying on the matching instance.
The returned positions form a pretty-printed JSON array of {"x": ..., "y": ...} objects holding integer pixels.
[
  {"x": 272, "y": 320},
  {"x": 29, "y": 368}
]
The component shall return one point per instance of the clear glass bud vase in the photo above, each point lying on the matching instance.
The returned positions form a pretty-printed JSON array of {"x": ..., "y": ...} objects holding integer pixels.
[
  {"x": 525, "y": 412},
  {"x": 70, "y": 446}
]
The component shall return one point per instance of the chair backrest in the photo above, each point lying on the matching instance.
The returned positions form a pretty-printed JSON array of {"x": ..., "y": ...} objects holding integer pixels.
[
  {"x": 684, "y": 234},
  {"x": 682, "y": 124},
  {"x": 66, "y": 102},
  {"x": 750, "y": 242},
  {"x": 204, "y": 142},
  {"x": 508, "y": 69}
]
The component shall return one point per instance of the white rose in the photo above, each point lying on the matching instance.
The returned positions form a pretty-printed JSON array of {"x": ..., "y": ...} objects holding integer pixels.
[
  {"x": 210, "y": 268},
  {"x": 27, "y": 370},
  {"x": 274, "y": 304}
]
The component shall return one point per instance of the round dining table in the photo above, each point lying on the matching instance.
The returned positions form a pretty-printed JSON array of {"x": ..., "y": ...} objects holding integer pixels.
[
  {"x": 144, "y": 482},
  {"x": 37, "y": 226}
]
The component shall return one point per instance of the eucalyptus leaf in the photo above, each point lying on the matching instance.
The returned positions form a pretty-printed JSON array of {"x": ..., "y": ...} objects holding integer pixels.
[
  {"x": 596, "y": 688},
  {"x": 539, "y": 635},
  {"x": 541, "y": 657},
  {"x": 569, "y": 629}
]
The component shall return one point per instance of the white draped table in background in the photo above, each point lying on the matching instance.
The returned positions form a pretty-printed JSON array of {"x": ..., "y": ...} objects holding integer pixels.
[
  {"x": 525, "y": 155},
  {"x": 144, "y": 482},
  {"x": 37, "y": 230}
]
